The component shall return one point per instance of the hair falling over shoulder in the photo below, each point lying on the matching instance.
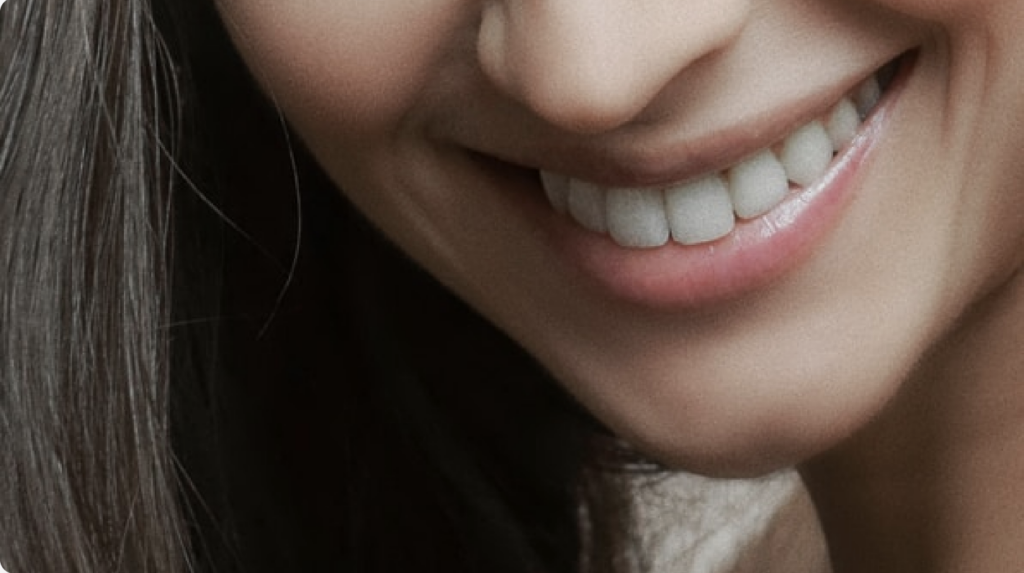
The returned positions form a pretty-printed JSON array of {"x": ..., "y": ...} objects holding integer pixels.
[
  {"x": 84, "y": 299},
  {"x": 185, "y": 386}
]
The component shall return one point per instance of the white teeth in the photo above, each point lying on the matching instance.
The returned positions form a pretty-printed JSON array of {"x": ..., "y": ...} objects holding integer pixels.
[
  {"x": 757, "y": 184},
  {"x": 586, "y": 205},
  {"x": 700, "y": 211},
  {"x": 636, "y": 217},
  {"x": 706, "y": 209},
  {"x": 843, "y": 124},
  {"x": 806, "y": 154},
  {"x": 556, "y": 187}
]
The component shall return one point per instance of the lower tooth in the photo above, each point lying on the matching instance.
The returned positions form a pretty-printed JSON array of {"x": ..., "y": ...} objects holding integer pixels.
[
  {"x": 586, "y": 205},
  {"x": 700, "y": 211},
  {"x": 806, "y": 154},
  {"x": 636, "y": 217},
  {"x": 757, "y": 185}
]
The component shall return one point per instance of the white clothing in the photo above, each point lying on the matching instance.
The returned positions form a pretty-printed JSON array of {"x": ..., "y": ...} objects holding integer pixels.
[{"x": 694, "y": 524}]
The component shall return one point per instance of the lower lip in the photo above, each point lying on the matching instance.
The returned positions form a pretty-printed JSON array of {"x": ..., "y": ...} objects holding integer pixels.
[{"x": 756, "y": 254}]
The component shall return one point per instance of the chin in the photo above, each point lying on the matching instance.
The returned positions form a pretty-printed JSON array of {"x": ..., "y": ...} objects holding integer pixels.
[
  {"x": 750, "y": 388},
  {"x": 736, "y": 419}
]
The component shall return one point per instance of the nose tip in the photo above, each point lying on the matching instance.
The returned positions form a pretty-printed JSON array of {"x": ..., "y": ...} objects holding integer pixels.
[{"x": 591, "y": 66}]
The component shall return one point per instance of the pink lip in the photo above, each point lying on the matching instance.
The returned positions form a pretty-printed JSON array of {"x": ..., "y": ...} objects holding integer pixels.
[{"x": 755, "y": 254}]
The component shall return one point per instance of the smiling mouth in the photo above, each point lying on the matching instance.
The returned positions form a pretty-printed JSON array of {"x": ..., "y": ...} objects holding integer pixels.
[{"x": 708, "y": 208}]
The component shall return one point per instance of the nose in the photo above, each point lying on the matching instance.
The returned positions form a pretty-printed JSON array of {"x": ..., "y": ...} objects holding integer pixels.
[{"x": 593, "y": 65}]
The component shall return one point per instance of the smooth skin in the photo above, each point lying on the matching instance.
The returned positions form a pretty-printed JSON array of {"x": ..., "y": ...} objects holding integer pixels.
[{"x": 888, "y": 365}]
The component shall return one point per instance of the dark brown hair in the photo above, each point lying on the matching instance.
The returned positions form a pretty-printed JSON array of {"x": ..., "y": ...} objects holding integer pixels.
[
  {"x": 86, "y": 458},
  {"x": 211, "y": 362}
]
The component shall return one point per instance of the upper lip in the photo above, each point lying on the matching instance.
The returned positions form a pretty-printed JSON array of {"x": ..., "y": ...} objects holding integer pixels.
[{"x": 630, "y": 159}]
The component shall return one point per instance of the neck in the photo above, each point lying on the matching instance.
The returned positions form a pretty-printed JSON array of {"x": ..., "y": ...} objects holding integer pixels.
[{"x": 936, "y": 483}]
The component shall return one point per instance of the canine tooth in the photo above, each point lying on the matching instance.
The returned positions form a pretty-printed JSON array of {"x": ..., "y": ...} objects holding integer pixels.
[
  {"x": 556, "y": 187},
  {"x": 867, "y": 96},
  {"x": 586, "y": 205},
  {"x": 636, "y": 217},
  {"x": 699, "y": 211},
  {"x": 757, "y": 185},
  {"x": 843, "y": 124},
  {"x": 806, "y": 154}
]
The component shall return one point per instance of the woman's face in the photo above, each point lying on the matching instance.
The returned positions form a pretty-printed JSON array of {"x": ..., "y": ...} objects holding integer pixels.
[{"x": 735, "y": 269}]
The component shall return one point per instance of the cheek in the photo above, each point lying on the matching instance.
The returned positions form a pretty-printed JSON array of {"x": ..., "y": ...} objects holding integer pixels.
[{"x": 357, "y": 65}]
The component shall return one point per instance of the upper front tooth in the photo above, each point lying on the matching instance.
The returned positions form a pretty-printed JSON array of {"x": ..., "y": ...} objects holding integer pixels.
[
  {"x": 556, "y": 187},
  {"x": 586, "y": 205},
  {"x": 806, "y": 154},
  {"x": 757, "y": 185},
  {"x": 705, "y": 210},
  {"x": 699, "y": 211},
  {"x": 636, "y": 217}
]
